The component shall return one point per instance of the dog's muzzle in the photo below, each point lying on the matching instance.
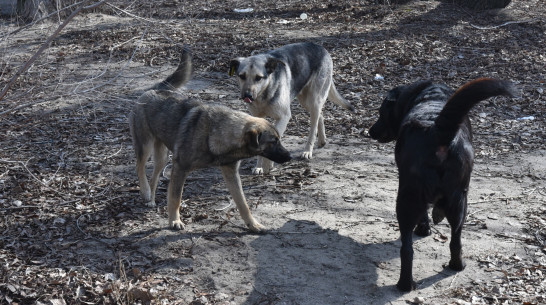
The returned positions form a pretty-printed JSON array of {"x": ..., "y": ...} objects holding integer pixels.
[{"x": 247, "y": 98}]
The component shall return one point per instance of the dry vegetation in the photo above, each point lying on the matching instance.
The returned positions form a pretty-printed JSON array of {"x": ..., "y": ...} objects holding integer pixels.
[{"x": 70, "y": 215}]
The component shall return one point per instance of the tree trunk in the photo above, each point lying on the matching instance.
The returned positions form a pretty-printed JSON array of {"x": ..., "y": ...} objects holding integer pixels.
[{"x": 32, "y": 10}]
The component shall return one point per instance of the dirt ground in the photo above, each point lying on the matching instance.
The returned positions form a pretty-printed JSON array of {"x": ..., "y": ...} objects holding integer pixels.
[{"x": 75, "y": 231}]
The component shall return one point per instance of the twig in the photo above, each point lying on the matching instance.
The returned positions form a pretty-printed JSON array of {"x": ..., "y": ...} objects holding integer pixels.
[
  {"x": 21, "y": 207},
  {"x": 501, "y": 25},
  {"x": 130, "y": 14},
  {"x": 477, "y": 211},
  {"x": 78, "y": 224},
  {"x": 293, "y": 232},
  {"x": 227, "y": 206},
  {"x": 506, "y": 198},
  {"x": 34, "y": 176},
  {"x": 110, "y": 156},
  {"x": 453, "y": 280},
  {"x": 17, "y": 97},
  {"x": 46, "y": 45}
]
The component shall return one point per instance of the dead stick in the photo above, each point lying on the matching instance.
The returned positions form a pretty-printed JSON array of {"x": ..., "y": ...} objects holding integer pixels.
[
  {"x": 46, "y": 45},
  {"x": 501, "y": 25}
]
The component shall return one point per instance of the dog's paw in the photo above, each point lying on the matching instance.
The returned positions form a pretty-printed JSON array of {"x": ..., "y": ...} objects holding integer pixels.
[
  {"x": 176, "y": 225},
  {"x": 406, "y": 286},
  {"x": 255, "y": 227},
  {"x": 437, "y": 215},
  {"x": 321, "y": 144},
  {"x": 457, "y": 264},
  {"x": 307, "y": 155},
  {"x": 258, "y": 171},
  {"x": 423, "y": 229},
  {"x": 150, "y": 204}
]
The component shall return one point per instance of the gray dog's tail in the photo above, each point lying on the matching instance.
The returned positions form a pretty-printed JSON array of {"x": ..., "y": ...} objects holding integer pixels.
[
  {"x": 459, "y": 104},
  {"x": 335, "y": 97},
  {"x": 181, "y": 76}
]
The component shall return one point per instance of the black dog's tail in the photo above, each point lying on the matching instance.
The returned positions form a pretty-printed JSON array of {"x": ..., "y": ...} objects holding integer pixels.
[
  {"x": 181, "y": 76},
  {"x": 459, "y": 104}
]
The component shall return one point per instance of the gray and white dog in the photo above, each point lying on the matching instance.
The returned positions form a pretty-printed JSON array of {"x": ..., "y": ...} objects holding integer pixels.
[
  {"x": 270, "y": 81},
  {"x": 198, "y": 135}
]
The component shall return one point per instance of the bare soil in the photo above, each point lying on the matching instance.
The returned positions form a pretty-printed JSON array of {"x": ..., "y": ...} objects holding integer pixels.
[{"x": 75, "y": 231}]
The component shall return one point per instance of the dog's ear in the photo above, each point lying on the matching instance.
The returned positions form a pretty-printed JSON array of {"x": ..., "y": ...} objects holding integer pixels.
[
  {"x": 272, "y": 64},
  {"x": 392, "y": 95},
  {"x": 252, "y": 137},
  {"x": 233, "y": 66}
]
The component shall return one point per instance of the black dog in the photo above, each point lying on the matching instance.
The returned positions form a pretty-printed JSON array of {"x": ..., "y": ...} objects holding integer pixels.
[{"x": 434, "y": 155}]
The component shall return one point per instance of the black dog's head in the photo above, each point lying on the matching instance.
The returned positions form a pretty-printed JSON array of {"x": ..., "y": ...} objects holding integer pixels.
[
  {"x": 394, "y": 108},
  {"x": 386, "y": 127}
]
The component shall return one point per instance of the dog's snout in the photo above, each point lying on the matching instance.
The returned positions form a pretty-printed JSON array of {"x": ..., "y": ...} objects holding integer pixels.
[
  {"x": 372, "y": 132},
  {"x": 247, "y": 97},
  {"x": 277, "y": 154}
]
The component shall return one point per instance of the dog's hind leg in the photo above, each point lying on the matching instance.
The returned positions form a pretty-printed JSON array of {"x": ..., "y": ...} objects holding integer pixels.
[
  {"x": 160, "y": 157},
  {"x": 174, "y": 194},
  {"x": 233, "y": 182},
  {"x": 409, "y": 211},
  {"x": 143, "y": 152},
  {"x": 423, "y": 227},
  {"x": 313, "y": 102},
  {"x": 321, "y": 132},
  {"x": 456, "y": 219}
]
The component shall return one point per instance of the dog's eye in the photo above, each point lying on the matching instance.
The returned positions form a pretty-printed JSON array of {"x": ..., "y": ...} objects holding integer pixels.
[
  {"x": 242, "y": 77},
  {"x": 259, "y": 78}
]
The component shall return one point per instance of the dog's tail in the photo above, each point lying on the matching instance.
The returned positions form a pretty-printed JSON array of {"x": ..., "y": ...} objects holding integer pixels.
[
  {"x": 459, "y": 104},
  {"x": 181, "y": 76},
  {"x": 335, "y": 97}
]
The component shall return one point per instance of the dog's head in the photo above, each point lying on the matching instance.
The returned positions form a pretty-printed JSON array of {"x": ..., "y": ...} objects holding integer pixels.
[
  {"x": 396, "y": 105},
  {"x": 262, "y": 139},
  {"x": 385, "y": 129},
  {"x": 254, "y": 74}
]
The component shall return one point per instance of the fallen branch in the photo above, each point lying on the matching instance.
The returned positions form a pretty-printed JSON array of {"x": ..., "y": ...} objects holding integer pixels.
[
  {"x": 501, "y": 25},
  {"x": 46, "y": 45}
]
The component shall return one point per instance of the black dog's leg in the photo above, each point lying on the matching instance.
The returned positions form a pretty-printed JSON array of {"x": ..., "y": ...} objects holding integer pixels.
[
  {"x": 456, "y": 221},
  {"x": 406, "y": 283},
  {"x": 408, "y": 212},
  {"x": 423, "y": 227}
]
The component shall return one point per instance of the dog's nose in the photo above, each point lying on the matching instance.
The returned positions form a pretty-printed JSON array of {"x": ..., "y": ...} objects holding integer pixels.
[{"x": 247, "y": 95}]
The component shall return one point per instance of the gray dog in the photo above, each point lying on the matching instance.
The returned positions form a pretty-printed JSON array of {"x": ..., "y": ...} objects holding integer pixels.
[
  {"x": 270, "y": 81},
  {"x": 198, "y": 135}
]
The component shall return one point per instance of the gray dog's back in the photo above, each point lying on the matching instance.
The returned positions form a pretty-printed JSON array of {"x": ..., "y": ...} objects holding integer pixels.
[{"x": 303, "y": 59}]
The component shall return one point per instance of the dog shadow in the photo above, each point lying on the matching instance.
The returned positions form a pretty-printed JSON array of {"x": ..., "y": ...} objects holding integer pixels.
[{"x": 303, "y": 263}]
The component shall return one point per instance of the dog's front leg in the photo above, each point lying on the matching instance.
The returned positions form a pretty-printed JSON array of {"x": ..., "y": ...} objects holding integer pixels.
[
  {"x": 174, "y": 195},
  {"x": 259, "y": 169},
  {"x": 409, "y": 212},
  {"x": 264, "y": 165},
  {"x": 406, "y": 283},
  {"x": 233, "y": 182}
]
